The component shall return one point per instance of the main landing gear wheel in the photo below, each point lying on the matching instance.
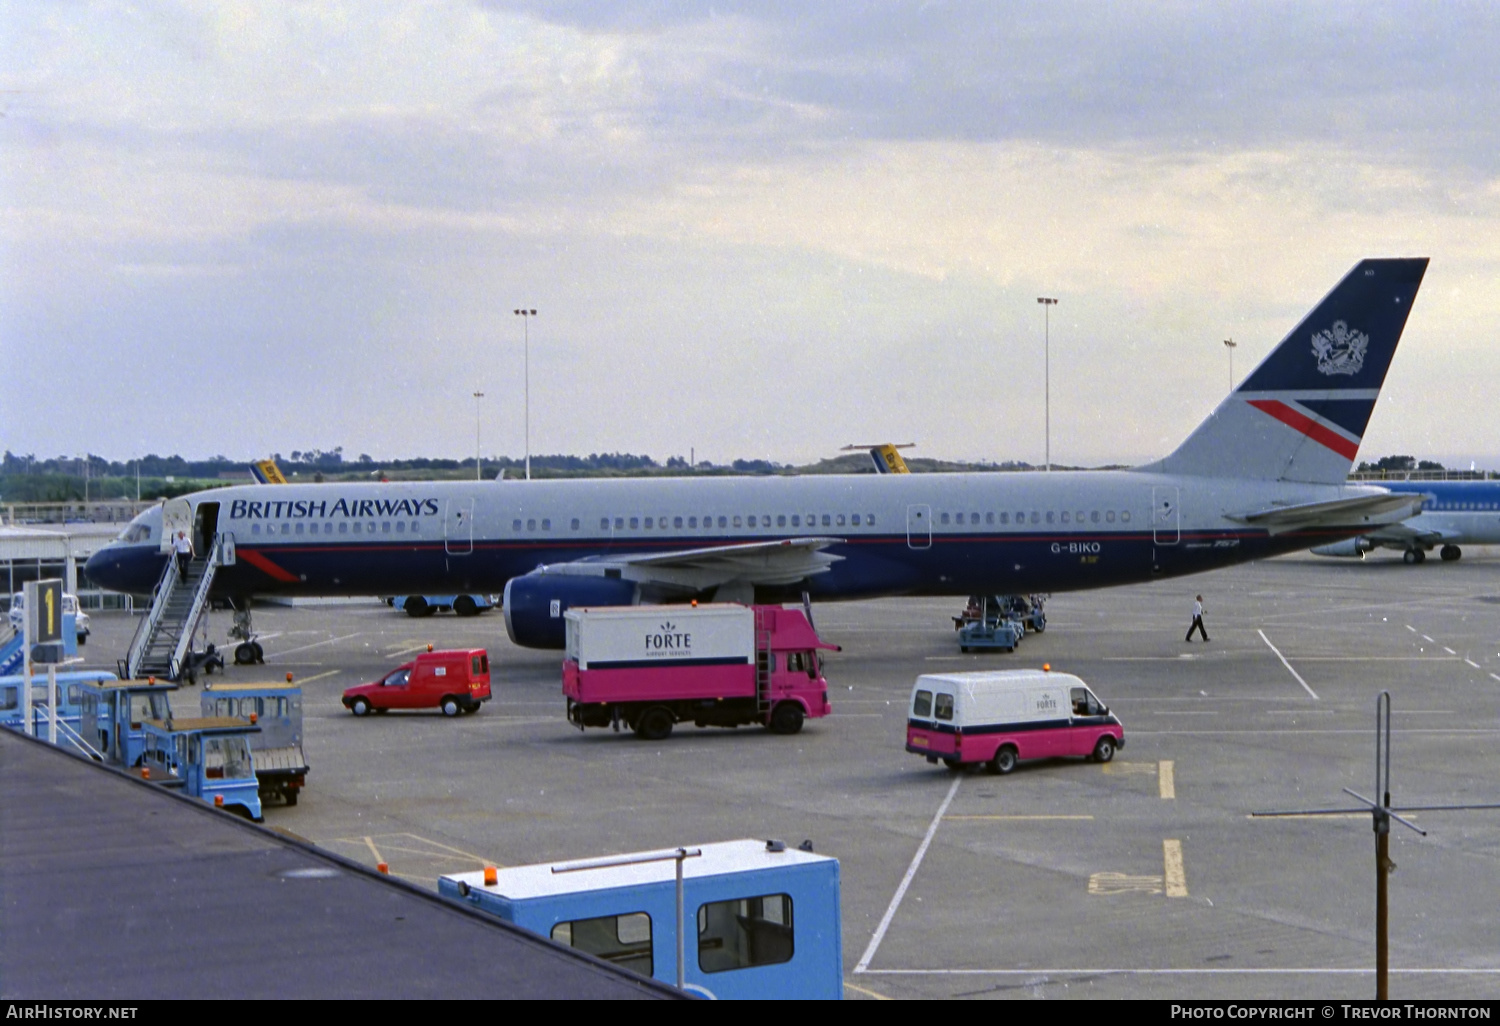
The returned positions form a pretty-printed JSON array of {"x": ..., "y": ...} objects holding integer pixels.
[
  {"x": 1448, "y": 553},
  {"x": 1004, "y": 760},
  {"x": 260, "y": 653},
  {"x": 655, "y": 724},
  {"x": 244, "y": 654},
  {"x": 1104, "y": 750},
  {"x": 1414, "y": 556},
  {"x": 786, "y": 718}
]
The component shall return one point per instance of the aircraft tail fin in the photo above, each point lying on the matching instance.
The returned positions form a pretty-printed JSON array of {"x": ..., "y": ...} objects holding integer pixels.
[{"x": 1301, "y": 414}]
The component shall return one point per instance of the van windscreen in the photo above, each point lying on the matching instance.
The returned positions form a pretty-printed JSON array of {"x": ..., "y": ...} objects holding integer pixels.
[
  {"x": 944, "y": 705},
  {"x": 922, "y": 704}
]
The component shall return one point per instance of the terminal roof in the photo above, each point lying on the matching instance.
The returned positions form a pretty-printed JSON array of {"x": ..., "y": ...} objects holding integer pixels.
[{"x": 88, "y": 855}]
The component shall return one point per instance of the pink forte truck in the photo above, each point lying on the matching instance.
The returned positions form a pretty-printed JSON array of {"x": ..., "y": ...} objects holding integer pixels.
[{"x": 718, "y": 665}]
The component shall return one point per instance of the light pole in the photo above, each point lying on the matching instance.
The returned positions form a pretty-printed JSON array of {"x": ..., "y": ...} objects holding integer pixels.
[
  {"x": 1047, "y": 305},
  {"x": 526, "y": 316},
  {"x": 477, "y": 396},
  {"x": 1229, "y": 344}
]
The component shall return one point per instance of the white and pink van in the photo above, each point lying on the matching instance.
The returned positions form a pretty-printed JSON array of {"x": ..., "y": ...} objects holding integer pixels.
[{"x": 1000, "y": 717}]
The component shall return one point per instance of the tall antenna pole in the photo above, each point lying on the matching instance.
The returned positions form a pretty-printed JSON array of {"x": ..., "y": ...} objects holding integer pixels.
[{"x": 1229, "y": 344}]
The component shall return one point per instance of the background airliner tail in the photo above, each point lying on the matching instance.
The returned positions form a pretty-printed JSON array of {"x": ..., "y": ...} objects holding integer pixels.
[{"x": 1301, "y": 414}]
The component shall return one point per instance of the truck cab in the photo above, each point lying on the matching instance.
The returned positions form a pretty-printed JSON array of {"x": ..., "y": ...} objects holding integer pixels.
[
  {"x": 112, "y": 714},
  {"x": 208, "y": 758},
  {"x": 455, "y": 681},
  {"x": 275, "y": 707}
]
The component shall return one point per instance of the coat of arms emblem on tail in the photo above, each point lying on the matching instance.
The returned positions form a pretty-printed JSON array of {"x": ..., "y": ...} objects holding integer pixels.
[{"x": 1339, "y": 349}]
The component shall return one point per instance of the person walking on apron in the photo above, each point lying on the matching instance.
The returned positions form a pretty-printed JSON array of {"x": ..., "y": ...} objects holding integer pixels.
[{"x": 1197, "y": 620}]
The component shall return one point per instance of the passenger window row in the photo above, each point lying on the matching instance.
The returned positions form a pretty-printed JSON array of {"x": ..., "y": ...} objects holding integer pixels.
[
  {"x": 748, "y": 520},
  {"x": 1022, "y": 517},
  {"x": 358, "y": 527}
]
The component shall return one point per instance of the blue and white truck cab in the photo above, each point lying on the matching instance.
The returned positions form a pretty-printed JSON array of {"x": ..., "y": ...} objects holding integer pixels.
[
  {"x": 759, "y": 919},
  {"x": 275, "y": 707},
  {"x": 208, "y": 758},
  {"x": 111, "y": 715}
]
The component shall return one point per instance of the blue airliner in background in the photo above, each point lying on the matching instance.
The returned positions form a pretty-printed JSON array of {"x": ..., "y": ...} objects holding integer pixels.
[
  {"x": 1266, "y": 473},
  {"x": 1453, "y": 513}
]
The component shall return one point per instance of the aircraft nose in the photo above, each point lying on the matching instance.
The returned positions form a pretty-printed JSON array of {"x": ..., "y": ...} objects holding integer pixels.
[{"x": 107, "y": 569}]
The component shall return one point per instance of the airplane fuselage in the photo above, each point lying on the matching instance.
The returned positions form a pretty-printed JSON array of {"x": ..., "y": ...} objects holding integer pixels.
[{"x": 917, "y": 534}]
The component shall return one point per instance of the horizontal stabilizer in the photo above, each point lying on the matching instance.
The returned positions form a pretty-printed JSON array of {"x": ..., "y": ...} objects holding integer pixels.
[{"x": 1372, "y": 510}]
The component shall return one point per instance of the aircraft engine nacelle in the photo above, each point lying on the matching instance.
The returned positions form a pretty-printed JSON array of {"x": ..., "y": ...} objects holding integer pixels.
[
  {"x": 1347, "y": 547},
  {"x": 535, "y": 603}
]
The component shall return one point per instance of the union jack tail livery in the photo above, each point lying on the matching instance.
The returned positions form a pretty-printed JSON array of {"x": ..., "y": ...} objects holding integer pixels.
[{"x": 1301, "y": 414}]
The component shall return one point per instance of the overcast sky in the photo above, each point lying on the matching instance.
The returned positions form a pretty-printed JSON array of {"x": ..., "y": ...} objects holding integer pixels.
[{"x": 749, "y": 230}]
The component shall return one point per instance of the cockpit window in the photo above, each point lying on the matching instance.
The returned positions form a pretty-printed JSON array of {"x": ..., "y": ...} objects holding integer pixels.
[{"x": 135, "y": 533}]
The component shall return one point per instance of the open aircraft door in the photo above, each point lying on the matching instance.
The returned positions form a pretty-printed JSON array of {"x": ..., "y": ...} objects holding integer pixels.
[
  {"x": 458, "y": 527},
  {"x": 919, "y": 526},
  {"x": 1166, "y": 518},
  {"x": 176, "y": 515}
]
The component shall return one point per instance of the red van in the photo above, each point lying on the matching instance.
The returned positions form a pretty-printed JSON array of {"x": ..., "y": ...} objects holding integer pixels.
[{"x": 454, "y": 681}]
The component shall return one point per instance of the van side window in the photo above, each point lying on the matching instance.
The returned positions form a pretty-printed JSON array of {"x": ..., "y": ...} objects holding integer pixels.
[
  {"x": 745, "y": 932},
  {"x": 624, "y": 940},
  {"x": 922, "y": 704},
  {"x": 944, "y": 706}
]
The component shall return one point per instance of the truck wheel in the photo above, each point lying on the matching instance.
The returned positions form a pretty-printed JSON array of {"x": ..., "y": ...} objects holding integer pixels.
[
  {"x": 416, "y": 606},
  {"x": 450, "y": 706},
  {"x": 360, "y": 706},
  {"x": 290, "y": 794},
  {"x": 465, "y": 606},
  {"x": 1104, "y": 749},
  {"x": 655, "y": 724},
  {"x": 1004, "y": 760},
  {"x": 786, "y": 718}
]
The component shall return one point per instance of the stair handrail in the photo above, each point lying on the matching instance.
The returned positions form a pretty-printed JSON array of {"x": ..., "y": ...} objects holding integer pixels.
[
  {"x": 195, "y": 611},
  {"x": 160, "y": 596},
  {"x": 65, "y": 732}
]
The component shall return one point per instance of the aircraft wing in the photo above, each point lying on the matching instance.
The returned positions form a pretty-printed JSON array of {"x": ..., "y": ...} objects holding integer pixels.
[
  {"x": 782, "y": 561},
  {"x": 1376, "y": 510}
]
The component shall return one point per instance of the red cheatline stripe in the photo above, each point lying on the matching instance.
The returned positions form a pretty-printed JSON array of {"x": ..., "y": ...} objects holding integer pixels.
[
  {"x": 260, "y": 562},
  {"x": 1309, "y": 427}
]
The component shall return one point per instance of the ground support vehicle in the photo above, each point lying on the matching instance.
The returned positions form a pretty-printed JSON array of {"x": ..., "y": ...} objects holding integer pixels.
[
  {"x": 275, "y": 707},
  {"x": 69, "y": 698},
  {"x": 208, "y": 758},
  {"x": 766, "y": 917},
  {"x": 1001, "y": 717},
  {"x": 81, "y": 627},
  {"x": 112, "y": 714},
  {"x": 987, "y": 625},
  {"x": 426, "y": 605},
  {"x": 455, "y": 681},
  {"x": 713, "y": 665}
]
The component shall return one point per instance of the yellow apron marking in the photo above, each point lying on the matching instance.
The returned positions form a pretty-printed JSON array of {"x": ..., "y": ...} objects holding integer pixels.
[
  {"x": 1166, "y": 779},
  {"x": 1176, "y": 879},
  {"x": 867, "y": 993}
]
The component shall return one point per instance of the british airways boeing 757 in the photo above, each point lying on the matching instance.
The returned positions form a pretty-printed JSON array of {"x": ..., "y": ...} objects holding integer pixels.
[{"x": 1266, "y": 473}]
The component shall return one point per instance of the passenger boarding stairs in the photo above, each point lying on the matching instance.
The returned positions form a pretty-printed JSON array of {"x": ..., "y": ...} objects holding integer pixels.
[
  {"x": 165, "y": 635},
  {"x": 12, "y": 654}
]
